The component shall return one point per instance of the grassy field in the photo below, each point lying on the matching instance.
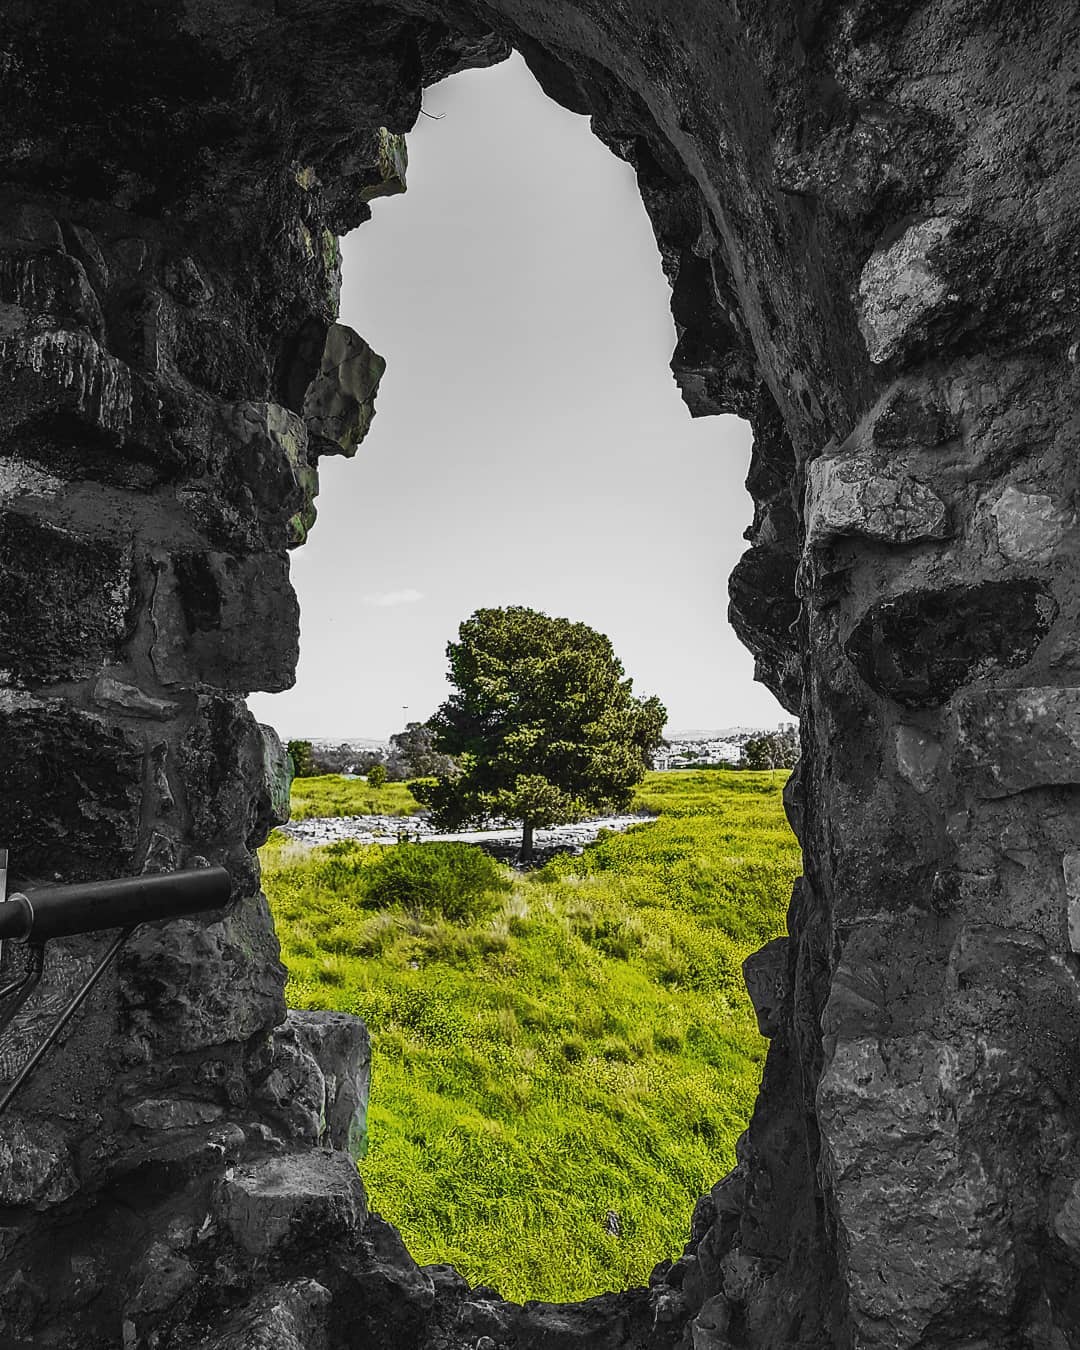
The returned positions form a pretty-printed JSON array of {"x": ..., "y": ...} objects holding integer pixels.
[
  {"x": 553, "y": 1087},
  {"x": 333, "y": 795}
]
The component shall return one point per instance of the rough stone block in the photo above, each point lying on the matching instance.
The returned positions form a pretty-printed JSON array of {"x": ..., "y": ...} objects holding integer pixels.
[
  {"x": 35, "y": 1164},
  {"x": 918, "y": 755},
  {"x": 70, "y": 788},
  {"x": 313, "y": 1196},
  {"x": 293, "y": 1093},
  {"x": 51, "y": 283},
  {"x": 222, "y": 761},
  {"x": 919, "y": 648},
  {"x": 277, "y": 774},
  {"x": 340, "y": 401},
  {"x": 341, "y": 1046},
  {"x": 850, "y": 495},
  {"x": 1030, "y": 526},
  {"x": 709, "y": 1329},
  {"x": 1012, "y": 740},
  {"x": 157, "y": 1280},
  {"x": 66, "y": 603},
  {"x": 317, "y": 1086},
  {"x": 189, "y": 985},
  {"x": 265, "y": 448},
  {"x": 68, "y": 372},
  {"x": 915, "y": 417},
  {"x": 224, "y": 621},
  {"x": 901, "y": 287},
  {"x": 1066, "y": 1220},
  {"x": 766, "y": 974},
  {"x": 919, "y": 1218},
  {"x": 764, "y": 610},
  {"x": 284, "y": 1317},
  {"x": 118, "y": 695},
  {"x": 172, "y": 1113}
]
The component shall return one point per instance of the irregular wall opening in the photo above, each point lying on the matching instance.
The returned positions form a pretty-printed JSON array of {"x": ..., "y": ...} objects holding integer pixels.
[{"x": 879, "y": 205}]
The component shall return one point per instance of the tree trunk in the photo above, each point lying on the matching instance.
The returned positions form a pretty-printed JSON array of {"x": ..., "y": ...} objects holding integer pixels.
[{"x": 526, "y": 841}]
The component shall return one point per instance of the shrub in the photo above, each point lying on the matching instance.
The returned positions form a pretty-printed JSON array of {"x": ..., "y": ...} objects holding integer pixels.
[
  {"x": 436, "y": 881},
  {"x": 376, "y": 776}
]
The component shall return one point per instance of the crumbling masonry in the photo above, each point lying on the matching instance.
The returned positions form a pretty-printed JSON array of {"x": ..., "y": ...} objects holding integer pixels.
[{"x": 868, "y": 212}]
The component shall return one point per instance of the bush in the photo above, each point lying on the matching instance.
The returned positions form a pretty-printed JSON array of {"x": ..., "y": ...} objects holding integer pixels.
[
  {"x": 376, "y": 776},
  {"x": 436, "y": 881}
]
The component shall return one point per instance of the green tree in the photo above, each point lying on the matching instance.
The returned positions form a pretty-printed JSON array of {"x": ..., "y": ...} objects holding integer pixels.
[
  {"x": 300, "y": 754},
  {"x": 777, "y": 749},
  {"x": 413, "y": 755},
  {"x": 543, "y": 724},
  {"x": 376, "y": 776}
]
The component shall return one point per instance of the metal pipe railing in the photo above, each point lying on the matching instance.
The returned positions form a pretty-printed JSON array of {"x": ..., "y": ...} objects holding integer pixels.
[
  {"x": 41, "y": 913},
  {"x": 45, "y": 912}
]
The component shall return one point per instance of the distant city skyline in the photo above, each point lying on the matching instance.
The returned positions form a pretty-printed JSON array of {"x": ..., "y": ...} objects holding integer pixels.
[{"x": 530, "y": 445}]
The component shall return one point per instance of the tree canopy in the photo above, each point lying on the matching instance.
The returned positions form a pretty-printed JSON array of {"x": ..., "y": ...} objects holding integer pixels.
[
  {"x": 300, "y": 754},
  {"x": 543, "y": 724},
  {"x": 777, "y": 749},
  {"x": 413, "y": 755}
]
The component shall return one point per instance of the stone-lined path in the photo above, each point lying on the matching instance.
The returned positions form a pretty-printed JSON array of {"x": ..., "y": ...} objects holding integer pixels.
[{"x": 503, "y": 841}]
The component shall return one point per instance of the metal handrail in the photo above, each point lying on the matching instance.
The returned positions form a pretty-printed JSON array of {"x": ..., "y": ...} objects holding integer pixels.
[{"x": 42, "y": 913}]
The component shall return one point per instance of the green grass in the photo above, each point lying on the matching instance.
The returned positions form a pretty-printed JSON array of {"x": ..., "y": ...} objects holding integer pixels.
[
  {"x": 588, "y": 1049},
  {"x": 332, "y": 795}
]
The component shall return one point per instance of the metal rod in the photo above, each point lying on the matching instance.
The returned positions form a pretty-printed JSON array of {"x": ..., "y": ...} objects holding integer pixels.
[
  {"x": 89, "y": 906},
  {"x": 64, "y": 1018},
  {"x": 23, "y": 987},
  {"x": 3, "y": 887}
]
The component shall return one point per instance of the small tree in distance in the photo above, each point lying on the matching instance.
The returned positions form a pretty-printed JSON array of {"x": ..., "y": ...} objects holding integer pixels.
[
  {"x": 543, "y": 724},
  {"x": 777, "y": 749},
  {"x": 413, "y": 755},
  {"x": 376, "y": 776},
  {"x": 300, "y": 754}
]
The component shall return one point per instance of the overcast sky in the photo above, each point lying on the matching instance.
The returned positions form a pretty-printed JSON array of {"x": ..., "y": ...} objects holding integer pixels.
[{"x": 530, "y": 446}]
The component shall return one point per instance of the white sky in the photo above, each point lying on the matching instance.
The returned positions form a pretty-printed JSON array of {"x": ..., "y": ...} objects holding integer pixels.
[{"x": 530, "y": 446}]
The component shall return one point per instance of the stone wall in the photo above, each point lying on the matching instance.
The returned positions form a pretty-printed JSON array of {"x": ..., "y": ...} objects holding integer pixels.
[{"x": 866, "y": 212}]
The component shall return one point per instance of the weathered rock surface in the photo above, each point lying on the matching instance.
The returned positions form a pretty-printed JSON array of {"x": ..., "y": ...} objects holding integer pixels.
[
  {"x": 316, "y": 1086},
  {"x": 298, "y": 1197},
  {"x": 867, "y": 215}
]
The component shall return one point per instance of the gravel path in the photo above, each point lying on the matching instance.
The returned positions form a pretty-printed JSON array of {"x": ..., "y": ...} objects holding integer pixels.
[{"x": 503, "y": 841}]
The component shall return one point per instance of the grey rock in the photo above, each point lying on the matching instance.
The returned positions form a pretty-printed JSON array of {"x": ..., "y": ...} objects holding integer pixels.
[
  {"x": 157, "y": 1280},
  {"x": 341, "y": 1047},
  {"x": 339, "y": 403},
  {"x": 1070, "y": 867},
  {"x": 1011, "y": 740},
  {"x": 190, "y": 984},
  {"x": 296, "y": 1198},
  {"x": 1066, "y": 1220},
  {"x": 709, "y": 1328},
  {"x": 283, "y": 1317},
  {"x": 229, "y": 622},
  {"x": 766, "y": 975},
  {"x": 901, "y": 287},
  {"x": 1030, "y": 526},
  {"x": 277, "y": 774},
  {"x": 71, "y": 591},
  {"x": 75, "y": 373},
  {"x": 920, "y": 647},
  {"x": 851, "y": 495},
  {"x": 918, "y": 755},
  {"x": 85, "y": 826},
  {"x": 111, "y": 692},
  {"x": 36, "y": 1167},
  {"x": 170, "y": 1113},
  {"x": 293, "y": 1093}
]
